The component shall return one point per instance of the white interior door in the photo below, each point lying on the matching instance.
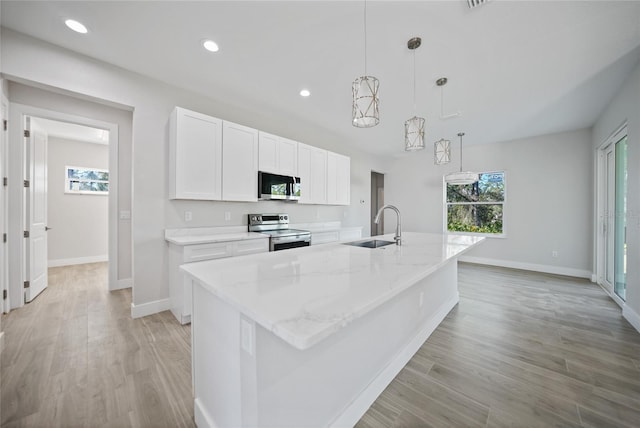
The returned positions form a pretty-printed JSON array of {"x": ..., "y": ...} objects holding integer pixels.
[
  {"x": 4, "y": 274},
  {"x": 36, "y": 210}
]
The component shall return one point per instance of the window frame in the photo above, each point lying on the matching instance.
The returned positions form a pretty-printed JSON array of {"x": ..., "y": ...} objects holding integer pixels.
[
  {"x": 67, "y": 180},
  {"x": 445, "y": 210}
]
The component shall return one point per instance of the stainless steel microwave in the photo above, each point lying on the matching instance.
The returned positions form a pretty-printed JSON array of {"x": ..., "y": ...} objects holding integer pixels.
[{"x": 278, "y": 187}]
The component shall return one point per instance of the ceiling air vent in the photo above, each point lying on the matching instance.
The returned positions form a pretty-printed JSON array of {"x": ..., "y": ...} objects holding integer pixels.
[{"x": 476, "y": 3}]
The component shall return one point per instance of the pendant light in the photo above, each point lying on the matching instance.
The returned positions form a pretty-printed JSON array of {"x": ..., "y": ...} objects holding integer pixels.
[
  {"x": 414, "y": 127},
  {"x": 442, "y": 147},
  {"x": 365, "y": 112},
  {"x": 461, "y": 178}
]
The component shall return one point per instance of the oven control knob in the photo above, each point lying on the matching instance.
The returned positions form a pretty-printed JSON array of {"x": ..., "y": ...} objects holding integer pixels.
[
  {"x": 281, "y": 217},
  {"x": 286, "y": 217}
]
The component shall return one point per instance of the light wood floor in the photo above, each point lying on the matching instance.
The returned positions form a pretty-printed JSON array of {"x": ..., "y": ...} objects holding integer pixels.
[
  {"x": 74, "y": 357},
  {"x": 524, "y": 350},
  {"x": 521, "y": 349}
]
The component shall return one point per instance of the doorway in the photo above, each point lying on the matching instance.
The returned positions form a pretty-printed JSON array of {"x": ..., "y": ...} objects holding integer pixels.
[
  {"x": 377, "y": 201},
  {"x": 78, "y": 179},
  {"x": 612, "y": 212}
]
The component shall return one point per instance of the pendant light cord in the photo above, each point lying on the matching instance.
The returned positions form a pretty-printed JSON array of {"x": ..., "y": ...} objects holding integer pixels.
[
  {"x": 414, "y": 81},
  {"x": 365, "y": 37}
]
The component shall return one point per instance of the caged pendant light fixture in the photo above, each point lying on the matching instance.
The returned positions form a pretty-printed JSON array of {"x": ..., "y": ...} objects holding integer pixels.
[
  {"x": 365, "y": 103},
  {"x": 414, "y": 127},
  {"x": 461, "y": 178},
  {"x": 442, "y": 147}
]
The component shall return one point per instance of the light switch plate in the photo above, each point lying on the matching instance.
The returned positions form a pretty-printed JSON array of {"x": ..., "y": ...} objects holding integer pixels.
[{"x": 188, "y": 216}]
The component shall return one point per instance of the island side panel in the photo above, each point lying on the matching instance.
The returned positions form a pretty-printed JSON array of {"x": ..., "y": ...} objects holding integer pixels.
[
  {"x": 216, "y": 359},
  {"x": 334, "y": 382}
]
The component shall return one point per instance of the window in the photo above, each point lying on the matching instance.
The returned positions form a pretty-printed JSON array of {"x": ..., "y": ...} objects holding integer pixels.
[
  {"x": 477, "y": 207},
  {"x": 88, "y": 181}
]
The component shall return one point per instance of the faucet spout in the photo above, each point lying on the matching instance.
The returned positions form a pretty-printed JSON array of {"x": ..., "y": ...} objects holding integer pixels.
[{"x": 398, "y": 237}]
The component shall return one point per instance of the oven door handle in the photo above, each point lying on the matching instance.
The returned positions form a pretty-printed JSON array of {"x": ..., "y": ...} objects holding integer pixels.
[{"x": 285, "y": 239}]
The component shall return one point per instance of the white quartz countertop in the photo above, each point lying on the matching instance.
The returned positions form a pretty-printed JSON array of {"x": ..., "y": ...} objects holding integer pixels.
[
  {"x": 304, "y": 295},
  {"x": 207, "y": 235}
]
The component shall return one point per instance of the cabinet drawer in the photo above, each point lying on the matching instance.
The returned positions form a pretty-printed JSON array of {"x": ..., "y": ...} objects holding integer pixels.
[
  {"x": 324, "y": 237},
  {"x": 252, "y": 246},
  {"x": 196, "y": 253}
]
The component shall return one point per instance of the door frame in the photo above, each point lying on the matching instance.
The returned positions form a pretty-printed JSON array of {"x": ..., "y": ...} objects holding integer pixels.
[
  {"x": 601, "y": 210},
  {"x": 17, "y": 113}
]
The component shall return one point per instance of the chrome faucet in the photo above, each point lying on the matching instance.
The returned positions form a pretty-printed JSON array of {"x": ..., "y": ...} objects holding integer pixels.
[{"x": 398, "y": 237}]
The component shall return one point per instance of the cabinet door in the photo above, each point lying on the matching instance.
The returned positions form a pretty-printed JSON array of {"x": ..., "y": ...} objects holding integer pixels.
[
  {"x": 240, "y": 167},
  {"x": 268, "y": 152},
  {"x": 318, "y": 175},
  {"x": 195, "y": 156},
  {"x": 338, "y": 179},
  {"x": 304, "y": 172},
  {"x": 288, "y": 157}
]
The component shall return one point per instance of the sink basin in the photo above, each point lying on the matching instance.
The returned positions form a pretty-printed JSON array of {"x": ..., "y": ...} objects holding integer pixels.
[{"x": 371, "y": 243}]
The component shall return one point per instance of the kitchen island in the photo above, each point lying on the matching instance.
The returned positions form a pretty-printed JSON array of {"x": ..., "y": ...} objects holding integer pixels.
[{"x": 311, "y": 336}]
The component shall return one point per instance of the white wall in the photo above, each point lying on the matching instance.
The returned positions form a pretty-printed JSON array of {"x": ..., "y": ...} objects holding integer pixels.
[
  {"x": 549, "y": 199},
  {"x": 626, "y": 107},
  {"x": 78, "y": 222},
  {"x": 153, "y": 102}
]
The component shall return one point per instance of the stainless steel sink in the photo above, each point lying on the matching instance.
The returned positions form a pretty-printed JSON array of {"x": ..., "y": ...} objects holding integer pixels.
[{"x": 371, "y": 243}]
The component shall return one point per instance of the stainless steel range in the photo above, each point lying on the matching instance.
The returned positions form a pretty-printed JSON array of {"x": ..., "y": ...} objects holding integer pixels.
[{"x": 277, "y": 227}]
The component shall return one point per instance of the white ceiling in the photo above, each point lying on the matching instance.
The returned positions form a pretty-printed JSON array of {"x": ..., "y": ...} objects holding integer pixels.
[
  {"x": 72, "y": 131},
  {"x": 515, "y": 68}
]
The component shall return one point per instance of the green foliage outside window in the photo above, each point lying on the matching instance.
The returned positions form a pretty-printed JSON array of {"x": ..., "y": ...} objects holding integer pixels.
[{"x": 477, "y": 207}]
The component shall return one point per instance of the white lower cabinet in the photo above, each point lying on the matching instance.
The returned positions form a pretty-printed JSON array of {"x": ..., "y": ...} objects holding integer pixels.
[
  {"x": 324, "y": 237},
  {"x": 180, "y": 289}
]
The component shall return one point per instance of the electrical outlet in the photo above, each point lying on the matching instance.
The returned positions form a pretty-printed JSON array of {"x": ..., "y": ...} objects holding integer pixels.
[
  {"x": 554, "y": 254},
  {"x": 188, "y": 216},
  {"x": 227, "y": 216}
]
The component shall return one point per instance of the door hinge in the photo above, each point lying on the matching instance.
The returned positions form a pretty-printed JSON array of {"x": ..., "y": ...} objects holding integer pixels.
[
  {"x": 27, "y": 133},
  {"x": 4, "y": 124},
  {"x": 26, "y": 234},
  {"x": 4, "y": 181},
  {"x": 26, "y": 183},
  {"x": 4, "y": 294},
  {"x": 4, "y": 237},
  {"x": 26, "y": 284}
]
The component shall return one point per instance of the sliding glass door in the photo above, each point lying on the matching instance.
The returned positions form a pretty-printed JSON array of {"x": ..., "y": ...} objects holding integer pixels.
[{"x": 613, "y": 214}]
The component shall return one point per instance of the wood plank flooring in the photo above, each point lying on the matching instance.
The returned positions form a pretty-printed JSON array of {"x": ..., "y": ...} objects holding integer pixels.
[
  {"x": 75, "y": 358},
  {"x": 521, "y": 349}
]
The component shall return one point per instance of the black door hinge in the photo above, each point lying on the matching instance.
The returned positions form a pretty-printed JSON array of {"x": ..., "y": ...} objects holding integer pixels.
[
  {"x": 26, "y": 183},
  {"x": 27, "y": 133},
  {"x": 4, "y": 294},
  {"x": 26, "y": 234},
  {"x": 4, "y": 237},
  {"x": 5, "y": 181},
  {"x": 26, "y": 284},
  {"x": 4, "y": 124}
]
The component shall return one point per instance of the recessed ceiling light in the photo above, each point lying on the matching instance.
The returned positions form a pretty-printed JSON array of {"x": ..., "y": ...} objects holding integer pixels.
[
  {"x": 305, "y": 93},
  {"x": 76, "y": 26},
  {"x": 210, "y": 45}
]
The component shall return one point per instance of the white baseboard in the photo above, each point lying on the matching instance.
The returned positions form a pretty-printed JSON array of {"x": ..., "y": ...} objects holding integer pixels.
[
  {"x": 594, "y": 278},
  {"x": 354, "y": 411},
  {"x": 556, "y": 270},
  {"x": 1, "y": 342},
  {"x": 122, "y": 283},
  {"x": 631, "y": 316},
  {"x": 144, "y": 309},
  {"x": 77, "y": 261}
]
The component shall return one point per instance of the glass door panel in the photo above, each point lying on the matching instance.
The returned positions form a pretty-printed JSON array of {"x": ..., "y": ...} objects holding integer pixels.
[{"x": 620, "y": 219}]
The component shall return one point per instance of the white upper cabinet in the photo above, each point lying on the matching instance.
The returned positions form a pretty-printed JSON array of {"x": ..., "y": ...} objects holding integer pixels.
[
  {"x": 312, "y": 169},
  {"x": 277, "y": 155},
  {"x": 338, "y": 179},
  {"x": 240, "y": 168},
  {"x": 195, "y": 156}
]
